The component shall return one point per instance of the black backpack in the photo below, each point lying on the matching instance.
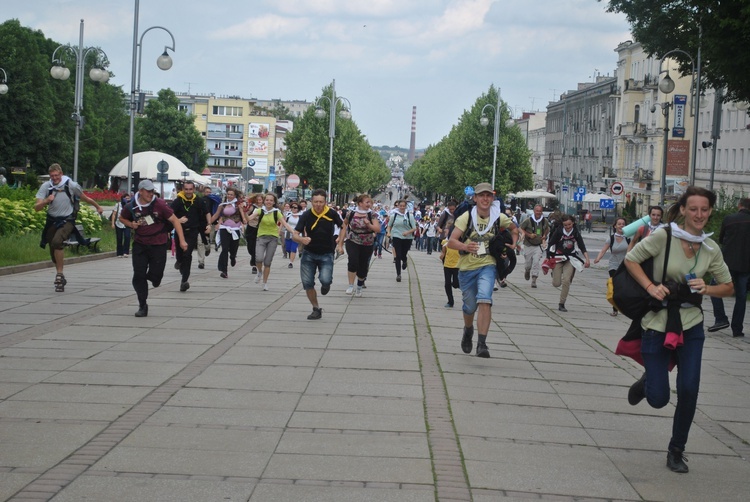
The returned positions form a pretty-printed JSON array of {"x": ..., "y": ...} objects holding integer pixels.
[
  {"x": 74, "y": 200},
  {"x": 168, "y": 227},
  {"x": 612, "y": 240}
]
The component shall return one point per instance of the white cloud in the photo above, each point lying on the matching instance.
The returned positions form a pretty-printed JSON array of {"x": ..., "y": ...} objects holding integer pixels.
[{"x": 270, "y": 26}]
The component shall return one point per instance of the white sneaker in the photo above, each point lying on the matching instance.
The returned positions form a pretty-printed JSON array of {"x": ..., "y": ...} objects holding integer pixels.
[
  {"x": 358, "y": 293},
  {"x": 265, "y": 286},
  {"x": 350, "y": 289},
  {"x": 257, "y": 278}
]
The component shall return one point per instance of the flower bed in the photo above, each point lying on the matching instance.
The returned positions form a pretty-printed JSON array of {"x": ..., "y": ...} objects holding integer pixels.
[
  {"x": 106, "y": 197},
  {"x": 19, "y": 217}
]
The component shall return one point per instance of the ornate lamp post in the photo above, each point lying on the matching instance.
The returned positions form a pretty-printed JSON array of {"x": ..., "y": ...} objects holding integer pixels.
[
  {"x": 3, "y": 84},
  {"x": 164, "y": 62},
  {"x": 345, "y": 114},
  {"x": 98, "y": 74},
  {"x": 485, "y": 121}
]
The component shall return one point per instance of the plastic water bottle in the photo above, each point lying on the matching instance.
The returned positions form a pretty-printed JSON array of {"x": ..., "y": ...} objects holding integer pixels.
[{"x": 630, "y": 230}]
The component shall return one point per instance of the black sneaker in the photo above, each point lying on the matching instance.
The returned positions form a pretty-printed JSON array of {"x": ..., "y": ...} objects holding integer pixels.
[
  {"x": 201, "y": 265},
  {"x": 255, "y": 270},
  {"x": 324, "y": 289},
  {"x": 142, "y": 311},
  {"x": 403, "y": 265},
  {"x": 317, "y": 313},
  {"x": 676, "y": 461},
  {"x": 466, "y": 344},
  {"x": 184, "y": 286},
  {"x": 208, "y": 250},
  {"x": 637, "y": 391},
  {"x": 233, "y": 261},
  {"x": 718, "y": 326},
  {"x": 562, "y": 308},
  {"x": 398, "y": 278},
  {"x": 177, "y": 265},
  {"x": 738, "y": 335},
  {"x": 482, "y": 350}
]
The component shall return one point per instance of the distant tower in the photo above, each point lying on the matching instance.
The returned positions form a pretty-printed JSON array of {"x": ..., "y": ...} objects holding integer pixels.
[{"x": 412, "y": 143}]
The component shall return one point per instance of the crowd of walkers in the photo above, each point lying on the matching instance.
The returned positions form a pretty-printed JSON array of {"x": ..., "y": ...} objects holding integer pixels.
[{"x": 478, "y": 241}]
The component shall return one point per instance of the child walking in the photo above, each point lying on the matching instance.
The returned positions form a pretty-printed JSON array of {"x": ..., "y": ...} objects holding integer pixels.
[{"x": 449, "y": 257}]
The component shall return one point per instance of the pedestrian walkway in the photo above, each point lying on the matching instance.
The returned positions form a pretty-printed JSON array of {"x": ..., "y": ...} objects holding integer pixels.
[{"x": 228, "y": 393}]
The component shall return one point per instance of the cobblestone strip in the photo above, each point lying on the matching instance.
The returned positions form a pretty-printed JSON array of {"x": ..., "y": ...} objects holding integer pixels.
[
  {"x": 447, "y": 460},
  {"x": 51, "y": 482}
]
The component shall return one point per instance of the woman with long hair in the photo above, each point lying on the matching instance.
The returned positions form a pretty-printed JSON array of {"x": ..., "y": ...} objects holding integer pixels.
[
  {"x": 618, "y": 248},
  {"x": 231, "y": 218},
  {"x": 564, "y": 245},
  {"x": 401, "y": 228},
  {"x": 255, "y": 201},
  {"x": 270, "y": 221},
  {"x": 289, "y": 245},
  {"x": 360, "y": 225},
  {"x": 674, "y": 333}
]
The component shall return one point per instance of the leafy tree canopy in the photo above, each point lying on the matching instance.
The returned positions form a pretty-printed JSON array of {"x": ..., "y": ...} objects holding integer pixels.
[
  {"x": 720, "y": 28},
  {"x": 464, "y": 157},
  {"x": 167, "y": 129},
  {"x": 356, "y": 166}
]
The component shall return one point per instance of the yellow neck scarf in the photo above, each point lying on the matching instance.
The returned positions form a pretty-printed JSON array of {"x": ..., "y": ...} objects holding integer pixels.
[{"x": 319, "y": 216}]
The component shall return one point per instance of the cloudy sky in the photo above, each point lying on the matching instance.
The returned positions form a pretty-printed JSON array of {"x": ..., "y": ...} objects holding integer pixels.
[{"x": 386, "y": 55}]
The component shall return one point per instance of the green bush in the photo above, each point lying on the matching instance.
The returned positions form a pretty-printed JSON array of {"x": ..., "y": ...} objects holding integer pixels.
[{"x": 19, "y": 217}]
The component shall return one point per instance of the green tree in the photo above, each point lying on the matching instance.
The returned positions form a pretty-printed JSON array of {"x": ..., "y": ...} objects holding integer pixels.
[
  {"x": 464, "y": 157},
  {"x": 720, "y": 28},
  {"x": 37, "y": 109},
  {"x": 356, "y": 166},
  {"x": 167, "y": 129}
]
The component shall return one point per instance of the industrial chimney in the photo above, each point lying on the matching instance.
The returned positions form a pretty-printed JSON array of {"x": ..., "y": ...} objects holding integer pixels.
[{"x": 412, "y": 143}]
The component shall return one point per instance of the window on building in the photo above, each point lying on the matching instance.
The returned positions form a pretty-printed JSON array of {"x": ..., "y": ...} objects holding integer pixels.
[
  {"x": 227, "y": 111},
  {"x": 637, "y": 114}
]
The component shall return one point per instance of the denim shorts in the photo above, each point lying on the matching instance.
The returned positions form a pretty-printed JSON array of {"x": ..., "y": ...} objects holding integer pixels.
[
  {"x": 309, "y": 263},
  {"x": 476, "y": 287}
]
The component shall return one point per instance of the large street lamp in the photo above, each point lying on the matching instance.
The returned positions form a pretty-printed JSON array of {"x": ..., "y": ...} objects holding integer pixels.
[
  {"x": 667, "y": 86},
  {"x": 345, "y": 114},
  {"x": 98, "y": 74},
  {"x": 3, "y": 84},
  {"x": 484, "y": 120},
  {"x": 164, "y": 62}
]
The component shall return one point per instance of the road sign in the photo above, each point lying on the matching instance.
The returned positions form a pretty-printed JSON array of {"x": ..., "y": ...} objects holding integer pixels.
[
  {"x": 578, "y": 197},
  {"x": 272, "y": 177},
  {"x": 162, "y": 177},
  {"x": 247, "y": 173},
  {"x": 606, "y": 203},
  {"x": 581, "y": 190},
  {"x": 617, "y": 188},
  {"x": 469, "y": 191},
  {"x": 565, "y": 188},
  {"x": 162, "y": 166},
  {"x": 292, "y": 180}
]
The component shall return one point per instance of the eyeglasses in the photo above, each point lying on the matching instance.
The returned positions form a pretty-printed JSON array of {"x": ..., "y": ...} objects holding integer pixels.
[{"x": 294, "y": 207}]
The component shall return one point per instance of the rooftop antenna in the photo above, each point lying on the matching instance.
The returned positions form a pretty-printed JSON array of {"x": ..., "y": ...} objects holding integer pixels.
[
  {"x": 554, "y": 94},
  {"x": 532, "y": 98},
  {"x": 188, "y": 83}
]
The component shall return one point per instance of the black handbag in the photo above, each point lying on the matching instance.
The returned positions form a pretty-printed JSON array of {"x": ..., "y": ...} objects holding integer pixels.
[{"x": 628, "y": 295}]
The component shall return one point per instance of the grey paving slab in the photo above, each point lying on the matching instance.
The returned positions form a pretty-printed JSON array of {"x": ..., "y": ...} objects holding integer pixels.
[
  {"x": 710, "y": 477},
  {"x": 108, "y": 334},
  {"x": 350, "y": 468},
  {"x": 201, "y": 438},
  {"x": 223, "y": 417},
  {"x": 235, "y": 398},
  {"x": 338, "y": 493},
  {"x": 106, "y": 394},
  {"x": 272, "y": 356},
  {"x": 10, "y": 483},
  {"x": 576, "y": 471},
  {"x": 362, "y": 405},
  {"x": 29, "y": 444},
  {"x": 60, "y": 410},
  {"x": 279, "y": 378},
  {"x": 30, "y": 363},
  {"x": 386, "y": 445},
  {"x": 370, "y": 359},
  {"x": 24, "y": 376},
  {"x": 356, "y": 421},
  {"x": 121, "y": 489},
  {"x": 10, "y": 389},
  {"x": 106, "y": 378}
]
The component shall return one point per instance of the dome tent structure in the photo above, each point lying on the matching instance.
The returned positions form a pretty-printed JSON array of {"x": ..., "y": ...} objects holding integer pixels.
[{"x": 145, "y": 163}]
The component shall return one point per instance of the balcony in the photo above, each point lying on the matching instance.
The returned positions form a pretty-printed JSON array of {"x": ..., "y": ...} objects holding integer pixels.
[{"x": 643, "y": 175}]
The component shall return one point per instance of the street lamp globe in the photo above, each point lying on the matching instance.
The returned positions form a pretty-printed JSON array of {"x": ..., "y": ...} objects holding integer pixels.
[
  {"x": 667, "y": 85},
  {"x": 345, "y": 114},
  {"x": 3, "y": 88},
  {"x": 320, "y": 112},
  {"x": 164, "y": 62},
  {"x": 743, "y": 105},
  {"x": 484, "y": 120},
  {"x": 98, "y": 75},
  {"x": 59, "y": 72}
]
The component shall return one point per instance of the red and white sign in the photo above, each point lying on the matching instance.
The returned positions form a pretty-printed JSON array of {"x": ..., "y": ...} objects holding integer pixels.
[
  {"x": 292, "y": 180},
  {"x": 617, "y": 188}
]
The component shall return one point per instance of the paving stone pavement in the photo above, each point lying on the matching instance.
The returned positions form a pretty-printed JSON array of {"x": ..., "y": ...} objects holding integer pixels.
[{"x": 228, "y": 393}]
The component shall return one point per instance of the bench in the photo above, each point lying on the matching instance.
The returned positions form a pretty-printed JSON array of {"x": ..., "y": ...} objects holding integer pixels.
[{"x": 93, "y": 242}]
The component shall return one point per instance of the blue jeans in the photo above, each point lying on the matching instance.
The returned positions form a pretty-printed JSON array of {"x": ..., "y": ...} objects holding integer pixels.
[
  {"x": 476, "y": 287},
  {"x": 378, "y": 249},
  {"x": 309, "y": 263},
  {"x": 656, "y": 360},
  {"x": 740, "y": 294}
]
